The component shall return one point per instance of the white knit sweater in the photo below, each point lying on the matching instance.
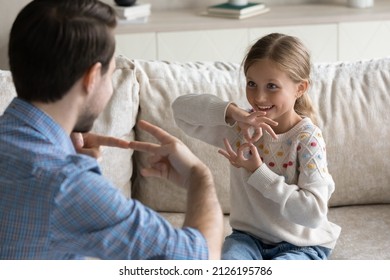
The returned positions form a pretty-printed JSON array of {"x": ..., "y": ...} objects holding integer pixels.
[{"x": 286, "y": 198}]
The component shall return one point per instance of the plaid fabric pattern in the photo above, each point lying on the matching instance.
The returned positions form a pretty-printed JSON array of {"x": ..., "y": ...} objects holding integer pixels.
[{"x": 55, "y": 204}]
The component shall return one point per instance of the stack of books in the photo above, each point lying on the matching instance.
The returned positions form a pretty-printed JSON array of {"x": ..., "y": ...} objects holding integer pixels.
[
  {"x": 237, "y": 12},
  {"x": 138, "y": 13}
]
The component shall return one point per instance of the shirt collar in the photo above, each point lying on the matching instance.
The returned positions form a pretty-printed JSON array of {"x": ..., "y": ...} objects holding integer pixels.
[{"x": 40, "y": 121}]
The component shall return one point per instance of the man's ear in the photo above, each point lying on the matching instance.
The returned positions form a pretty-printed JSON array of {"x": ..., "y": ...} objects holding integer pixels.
[{"x": 92, "y": 77}]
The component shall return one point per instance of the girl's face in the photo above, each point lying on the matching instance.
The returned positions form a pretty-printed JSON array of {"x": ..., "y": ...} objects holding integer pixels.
[{"x": 271, "y": 90}]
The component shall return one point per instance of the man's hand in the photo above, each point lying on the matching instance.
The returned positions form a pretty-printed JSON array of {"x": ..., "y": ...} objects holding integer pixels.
[
  {"x": 170, "y": 159},
  {"x": 89, "y": 143}
]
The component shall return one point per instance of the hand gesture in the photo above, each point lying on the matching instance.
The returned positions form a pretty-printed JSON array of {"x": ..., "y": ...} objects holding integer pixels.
[
  {"x": 89, "y": 143},
  {"x": 246, "y": 156},
  {"x": 251, "y": 123},
  {"x": 170, "y": 159}
]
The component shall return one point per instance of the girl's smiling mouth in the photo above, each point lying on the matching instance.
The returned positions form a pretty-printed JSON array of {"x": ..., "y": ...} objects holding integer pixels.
[{"x": 264, "y": 108}]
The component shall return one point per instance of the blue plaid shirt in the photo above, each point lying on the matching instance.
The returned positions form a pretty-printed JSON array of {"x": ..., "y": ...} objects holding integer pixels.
[{"x": 55, "y": 204}]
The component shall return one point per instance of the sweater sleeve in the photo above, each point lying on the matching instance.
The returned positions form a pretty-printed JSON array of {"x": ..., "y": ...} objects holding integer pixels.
[
  {"x": 306, "y": 202},
  {"x": 203, "y": 116}
]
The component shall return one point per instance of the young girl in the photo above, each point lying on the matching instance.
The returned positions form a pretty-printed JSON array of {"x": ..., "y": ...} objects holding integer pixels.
[{"x": 280, "y": 185}]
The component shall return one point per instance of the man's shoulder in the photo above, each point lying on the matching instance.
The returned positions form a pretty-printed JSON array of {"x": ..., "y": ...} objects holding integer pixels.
[{"x": 26, "y": 154}]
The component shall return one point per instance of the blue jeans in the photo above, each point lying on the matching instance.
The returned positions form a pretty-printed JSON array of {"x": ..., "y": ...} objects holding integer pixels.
[{"x": 242, "y": 246}]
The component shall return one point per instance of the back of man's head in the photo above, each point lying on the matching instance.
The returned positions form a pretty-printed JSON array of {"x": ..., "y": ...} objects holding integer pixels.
[{"x": 54, "y": 42}]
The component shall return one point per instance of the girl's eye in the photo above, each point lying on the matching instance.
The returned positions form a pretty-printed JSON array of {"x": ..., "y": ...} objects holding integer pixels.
[
  {"x": 272, "y": 86},
  {"x": 250, "y": 84}
]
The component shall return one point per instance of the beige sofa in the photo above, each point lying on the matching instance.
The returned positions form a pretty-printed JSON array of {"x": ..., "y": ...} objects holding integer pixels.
[{"x": 352, "y": 100}]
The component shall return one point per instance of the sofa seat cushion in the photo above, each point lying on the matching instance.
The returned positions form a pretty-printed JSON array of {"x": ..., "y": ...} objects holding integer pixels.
[
  {"x": 364, "y": 232},
  {"x": 177, "y": 220}
]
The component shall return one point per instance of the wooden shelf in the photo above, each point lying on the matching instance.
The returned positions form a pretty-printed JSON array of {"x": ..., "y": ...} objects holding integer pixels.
[{"x": 186, "y": 20}]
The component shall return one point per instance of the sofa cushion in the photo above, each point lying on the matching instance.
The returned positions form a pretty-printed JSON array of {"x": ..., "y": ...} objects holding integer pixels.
[
  {"x": 352, "y": 100},
  {"x": 118, "y": 120},
  {"x": 160, "y": 83},
  {"x": 7, "y": 90},
  {"x": 364, "y": 234}
]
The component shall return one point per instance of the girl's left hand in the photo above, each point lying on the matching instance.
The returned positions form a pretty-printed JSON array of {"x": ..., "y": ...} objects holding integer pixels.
[{"x": 246, "y": 156}]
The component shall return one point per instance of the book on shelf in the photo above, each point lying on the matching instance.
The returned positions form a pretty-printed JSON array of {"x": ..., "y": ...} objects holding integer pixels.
[
  {"x": 138, "y": 10},
  {"x": 139, "y": 20},
  {"x": 237, "y": 16},
  {"x": 227, "y": 8}
]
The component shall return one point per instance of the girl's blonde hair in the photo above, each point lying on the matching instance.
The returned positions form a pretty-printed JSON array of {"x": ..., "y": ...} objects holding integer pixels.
[{"x": 292, "y": 57}]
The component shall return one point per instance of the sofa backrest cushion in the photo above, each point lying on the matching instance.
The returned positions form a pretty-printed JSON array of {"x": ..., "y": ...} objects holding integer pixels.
[
  {"x": 7, "y": 90},
  {"x": 160, "y": 83},
  {"x": 352, "y": 101},
  {"x": 118, "y": 120}
]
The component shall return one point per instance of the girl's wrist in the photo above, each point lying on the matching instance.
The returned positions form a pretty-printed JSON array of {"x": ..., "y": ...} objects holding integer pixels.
[
  {"x": 254, "y": 168},
  {"x": 229, "y": 117}
]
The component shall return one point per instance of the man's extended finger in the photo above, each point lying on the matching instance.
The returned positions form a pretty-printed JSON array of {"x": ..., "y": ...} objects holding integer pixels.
[
  {"x": 93, "y": 152},
  {"x": 77, "y": 140},
  {"x": 110, "y": 142}
]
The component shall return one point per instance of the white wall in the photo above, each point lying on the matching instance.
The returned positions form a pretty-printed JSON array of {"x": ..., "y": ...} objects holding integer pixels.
[{"x": 8, "y": 11}]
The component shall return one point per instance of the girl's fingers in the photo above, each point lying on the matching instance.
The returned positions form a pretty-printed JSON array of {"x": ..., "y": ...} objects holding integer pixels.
[
  {"x": 255, "y": 115},
  {"x": 229, "y": 148},
  {"x": 253, "y": 125},
  {"x": 258, "y": 132},
  {"x": 269, "y": 129},
  {"x": 224, "y": 153},
  {"x": 263, "y": 119},
  {"x": 254, "y": 151}
]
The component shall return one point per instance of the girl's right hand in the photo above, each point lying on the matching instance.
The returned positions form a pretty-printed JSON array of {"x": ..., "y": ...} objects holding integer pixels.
[
  {"x": 246, "y": 156},
  {"x": 250, "y": 123}
]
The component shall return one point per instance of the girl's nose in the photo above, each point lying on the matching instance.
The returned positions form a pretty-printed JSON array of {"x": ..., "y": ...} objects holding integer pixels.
[{"x": 259, "y": 96}]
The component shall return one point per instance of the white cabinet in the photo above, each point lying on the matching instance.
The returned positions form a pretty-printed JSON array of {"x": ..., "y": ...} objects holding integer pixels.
[
  {"x": 364, "y": 40},
  {"x": 137, "y": 45},
  {"x": 327, "y": 42},
  {"x": 231, "y": 45},
  {"x": 206, "y": 45}
]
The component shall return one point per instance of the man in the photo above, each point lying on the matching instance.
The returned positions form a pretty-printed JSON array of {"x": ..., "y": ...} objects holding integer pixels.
[{"x": 54, "y": 203}]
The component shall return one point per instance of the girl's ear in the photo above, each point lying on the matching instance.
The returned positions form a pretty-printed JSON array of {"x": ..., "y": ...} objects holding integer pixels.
[
  {"x": 302, "y": 88},
  {"x": 91, "y": 77}
]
